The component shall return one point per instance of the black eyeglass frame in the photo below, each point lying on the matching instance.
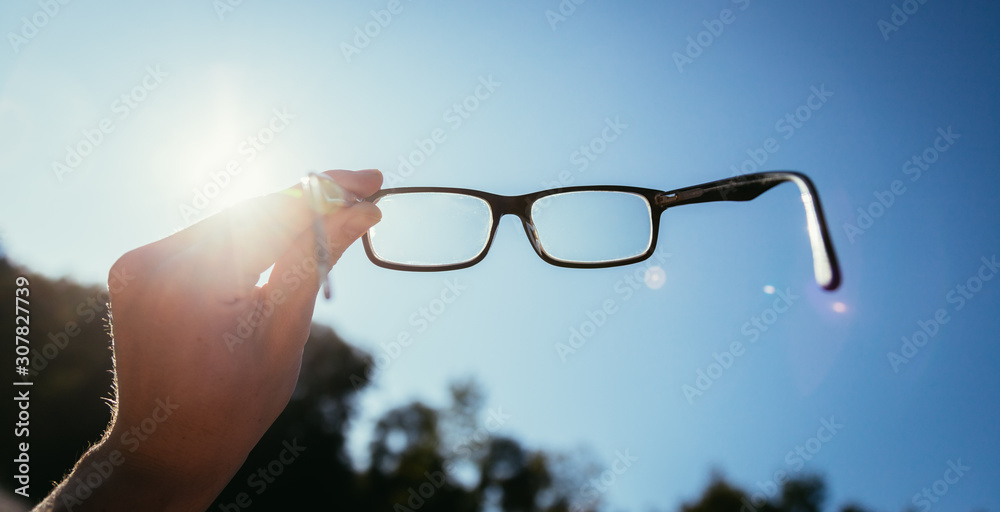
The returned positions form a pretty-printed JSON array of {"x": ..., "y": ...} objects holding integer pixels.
[{"x": 738, "y": 188}]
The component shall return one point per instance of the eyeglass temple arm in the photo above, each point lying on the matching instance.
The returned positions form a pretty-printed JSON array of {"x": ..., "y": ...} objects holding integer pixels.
[{"x": 749, "y": 187}]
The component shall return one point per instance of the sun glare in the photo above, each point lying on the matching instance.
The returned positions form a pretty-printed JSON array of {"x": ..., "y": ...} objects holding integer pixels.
[{"x": 216, "y": 148}]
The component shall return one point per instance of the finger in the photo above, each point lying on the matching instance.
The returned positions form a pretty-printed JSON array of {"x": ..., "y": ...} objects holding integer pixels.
[
  {"x": 233, "y": 247},
  {"x": 360, "y": 183},
  {"x": 294, "y": 281},
  {"x": 285, "y": 208},
  {"x": 286, "y": 216}
]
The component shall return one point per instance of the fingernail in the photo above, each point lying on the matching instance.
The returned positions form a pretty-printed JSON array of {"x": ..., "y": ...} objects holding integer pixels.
[{"x": 369, "y": 171}]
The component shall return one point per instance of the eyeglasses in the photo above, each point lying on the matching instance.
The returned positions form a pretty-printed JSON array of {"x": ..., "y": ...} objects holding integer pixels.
[{"x": 435, "y": 229}]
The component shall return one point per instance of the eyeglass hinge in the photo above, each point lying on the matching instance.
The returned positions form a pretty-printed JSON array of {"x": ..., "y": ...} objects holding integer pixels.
[{"x": 665, "y": 199}]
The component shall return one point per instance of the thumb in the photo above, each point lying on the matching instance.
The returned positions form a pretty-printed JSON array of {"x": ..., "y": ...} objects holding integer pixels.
[{"x": 296, "y": 273}]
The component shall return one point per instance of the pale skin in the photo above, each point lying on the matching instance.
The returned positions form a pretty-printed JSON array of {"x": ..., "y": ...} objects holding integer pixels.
[{"x": 194, "y": 395}]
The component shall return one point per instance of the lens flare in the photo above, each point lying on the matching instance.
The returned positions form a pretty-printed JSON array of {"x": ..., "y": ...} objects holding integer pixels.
[{"x": 655, "y": 277}]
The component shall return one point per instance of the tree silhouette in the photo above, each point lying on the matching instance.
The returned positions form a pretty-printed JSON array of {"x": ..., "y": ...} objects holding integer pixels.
[
  {"x": 452, "y": 458},
  {"x": 805, "y": 494}
]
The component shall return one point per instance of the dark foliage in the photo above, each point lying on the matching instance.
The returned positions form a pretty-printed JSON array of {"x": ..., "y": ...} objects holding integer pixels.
[{"x": 420, "y": 457}]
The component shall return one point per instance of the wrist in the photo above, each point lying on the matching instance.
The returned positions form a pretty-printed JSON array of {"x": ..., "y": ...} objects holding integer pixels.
[{"x": 110, "y": 477}]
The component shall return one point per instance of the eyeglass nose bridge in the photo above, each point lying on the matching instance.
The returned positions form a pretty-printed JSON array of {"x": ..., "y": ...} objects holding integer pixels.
[{"x": 520, "y": 207}]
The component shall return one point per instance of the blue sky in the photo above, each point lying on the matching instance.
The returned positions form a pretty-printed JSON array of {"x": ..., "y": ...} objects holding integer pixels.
[{"x": 201, "y": 84}]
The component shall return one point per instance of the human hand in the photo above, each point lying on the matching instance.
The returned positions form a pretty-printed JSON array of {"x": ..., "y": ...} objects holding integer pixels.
[{"x": 204, "y": 359}]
